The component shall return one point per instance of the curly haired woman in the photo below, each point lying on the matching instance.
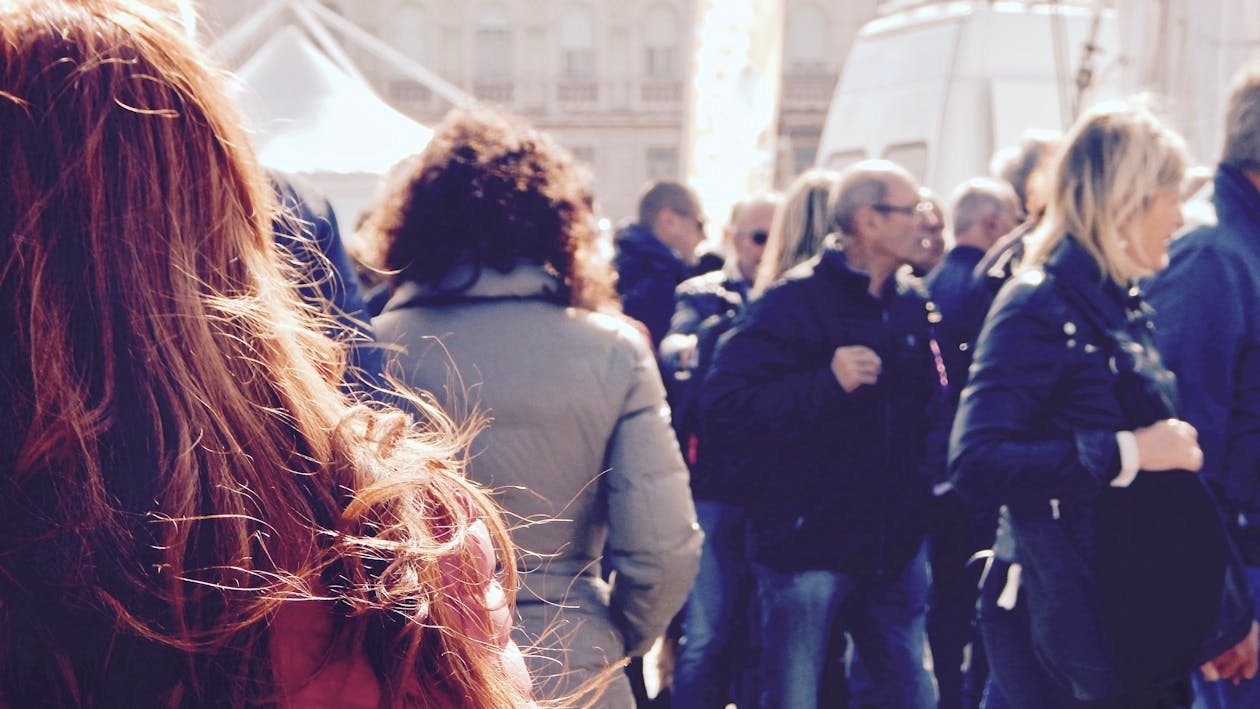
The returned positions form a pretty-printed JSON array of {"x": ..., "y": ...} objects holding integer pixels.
[{"x": 502, "y": 306}]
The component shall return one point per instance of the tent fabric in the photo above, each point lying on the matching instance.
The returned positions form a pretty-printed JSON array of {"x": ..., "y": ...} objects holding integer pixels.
[{"x": 311, "y": 117}]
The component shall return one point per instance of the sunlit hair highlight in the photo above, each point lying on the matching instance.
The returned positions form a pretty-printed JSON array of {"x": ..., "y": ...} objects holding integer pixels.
[
  {"x": 1111, "y": 164},
  {"x": 800, "y": 224},
  {"x": 178, "y": 461}
]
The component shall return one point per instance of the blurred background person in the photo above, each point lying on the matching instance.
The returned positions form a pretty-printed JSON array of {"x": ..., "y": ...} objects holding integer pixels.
[
  {"x": 932, "y": 230},
  {"x": 193, "y": 513},
  {"x": 659, "y": 251},
  {"x": 800, "y": 225},
  {"x": 713, "y": 659},
  {"x": 501, "y": 307},
  {"x": 1069, "y": 421},
  {"x": 1207, "y": 312},
  {"x": 983, "y": 210}
]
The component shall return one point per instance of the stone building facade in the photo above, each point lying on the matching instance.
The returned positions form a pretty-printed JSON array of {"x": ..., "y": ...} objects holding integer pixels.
[{"x": 608, "y": 79}]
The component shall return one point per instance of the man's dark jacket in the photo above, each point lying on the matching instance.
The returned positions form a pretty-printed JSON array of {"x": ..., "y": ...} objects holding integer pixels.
[
  {"x": 704, "y": 306},
  {"x": 832, "y": 480},
  {"x": 647, "y": 273},
  {"x": 950, "y": 286},
  {"x": 1207, "y": 315}
]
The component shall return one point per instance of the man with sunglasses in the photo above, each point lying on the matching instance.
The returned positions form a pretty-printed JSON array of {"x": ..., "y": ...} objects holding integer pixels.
[
  {"x": 714, "y": 653},
  {"x": 657, "y": 252},
  {"x": 820, "y": 391}
]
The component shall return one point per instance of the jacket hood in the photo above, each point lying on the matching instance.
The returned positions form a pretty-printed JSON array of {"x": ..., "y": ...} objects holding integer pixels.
[{"x": 640, "y": 241}]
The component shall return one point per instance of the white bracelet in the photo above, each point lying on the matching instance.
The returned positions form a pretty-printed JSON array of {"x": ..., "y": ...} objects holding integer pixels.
[{"x": 1129, "y": 463}]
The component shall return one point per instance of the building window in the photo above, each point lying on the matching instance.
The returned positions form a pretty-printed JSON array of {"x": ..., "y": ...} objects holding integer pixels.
[
  {"x": 662, "y": 57},
  {"x": 407, "y": 28},
  {"x": 662, "y": 162},
  {"x": 584, "y": 154},
  {"x": 577, "y": 43},
  {"x": 805, "y": 45},
  {"x": 494, "y": 43}
]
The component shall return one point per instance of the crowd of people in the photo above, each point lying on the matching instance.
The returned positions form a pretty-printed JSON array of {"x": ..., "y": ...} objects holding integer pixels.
[{"x": 871, "y": 450}]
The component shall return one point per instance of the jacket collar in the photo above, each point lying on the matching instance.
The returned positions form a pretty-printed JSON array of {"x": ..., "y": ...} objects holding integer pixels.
[
  {"x": 1235, "y": 198},
  {"x": 833, "y": 261},
  {"x": 1073, "y": 267},
  {"x": 526, "y": 281},
  {"x": 642, "y": 241}
]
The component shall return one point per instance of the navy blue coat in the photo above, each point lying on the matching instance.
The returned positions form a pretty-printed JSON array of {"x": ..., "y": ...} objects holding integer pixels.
[
  {"x": 835, "y": 480},
  {"x": 1065, "y": 360},
  {"x": 647, "y": 273},
  {"x": 1207, "y": 308}
]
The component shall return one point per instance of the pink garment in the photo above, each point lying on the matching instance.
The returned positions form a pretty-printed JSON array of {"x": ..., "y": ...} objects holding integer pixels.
[{"x": 302, "y": 633}]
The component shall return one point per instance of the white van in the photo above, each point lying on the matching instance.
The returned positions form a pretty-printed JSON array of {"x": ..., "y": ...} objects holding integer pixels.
[{"x": 940, "y": 87}]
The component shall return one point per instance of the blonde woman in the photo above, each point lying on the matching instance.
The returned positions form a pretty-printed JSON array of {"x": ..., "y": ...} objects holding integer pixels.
[
  {"x": 1120, "y": 582},
  {"x": 799, "y": 227}
]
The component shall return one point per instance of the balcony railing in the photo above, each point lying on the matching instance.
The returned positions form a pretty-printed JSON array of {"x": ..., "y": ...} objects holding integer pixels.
[
  {"x": 499, "y": 91},
  {"x": 805, "y": 92}
]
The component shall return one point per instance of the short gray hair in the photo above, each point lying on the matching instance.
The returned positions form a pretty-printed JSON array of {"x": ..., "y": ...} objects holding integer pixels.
[
  {"x": 1242, "y": 121},
  {"x": 979, "y": 197}
]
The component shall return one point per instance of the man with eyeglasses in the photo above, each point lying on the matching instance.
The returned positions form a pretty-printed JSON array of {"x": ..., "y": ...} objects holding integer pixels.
[
  {"x": 821, "y": 390},
  {"x": 714, "y": 653},
  {"x": 656, "y": 253}
]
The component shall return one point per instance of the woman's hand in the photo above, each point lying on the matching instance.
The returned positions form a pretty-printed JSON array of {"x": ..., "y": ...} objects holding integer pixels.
[
  {"x": 1237, "y": 663},
  {"x": 1171, "y": 444}
]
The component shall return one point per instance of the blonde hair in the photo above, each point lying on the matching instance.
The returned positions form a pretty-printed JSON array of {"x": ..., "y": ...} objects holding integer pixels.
[
  {"x": 1113, "y": 161},
  {"x": 800, "y": 224}
]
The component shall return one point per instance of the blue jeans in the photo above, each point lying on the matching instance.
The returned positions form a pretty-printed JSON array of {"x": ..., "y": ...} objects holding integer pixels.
[
  {"x": 1224, "y": 695},
  {"x": 887, "y": 621},
  {"x": 715, "y": 622}
]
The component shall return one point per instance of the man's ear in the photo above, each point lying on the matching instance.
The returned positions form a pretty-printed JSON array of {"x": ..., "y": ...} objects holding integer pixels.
[
  {"x": 663, "y": 223},
  {"x": 866, "y": 218}
]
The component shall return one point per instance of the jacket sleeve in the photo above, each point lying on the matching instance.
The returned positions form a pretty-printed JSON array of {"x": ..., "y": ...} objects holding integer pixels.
[
  {"x": 770, "y": 378},
  {"x": 653, "y": 537},
  {"x": 1001, "y": 447},
  {"x": 1201, "y": 314}
]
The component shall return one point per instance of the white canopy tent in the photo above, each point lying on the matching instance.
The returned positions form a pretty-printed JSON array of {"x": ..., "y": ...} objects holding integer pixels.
[{"x": 312, "y": 119}]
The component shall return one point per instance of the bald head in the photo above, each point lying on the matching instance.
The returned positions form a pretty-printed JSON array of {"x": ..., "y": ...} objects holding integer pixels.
[{"x": 865, "y": 184}]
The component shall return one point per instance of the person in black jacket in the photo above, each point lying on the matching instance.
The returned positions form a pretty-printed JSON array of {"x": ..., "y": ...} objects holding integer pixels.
[
  {"x": 659, "y": 251},
  {"x": 1122, "y": 580},
  {"x": 714, "y": 655},
  {"x": 1208, "y": 311},
  {"x": 821, "y": 388}
]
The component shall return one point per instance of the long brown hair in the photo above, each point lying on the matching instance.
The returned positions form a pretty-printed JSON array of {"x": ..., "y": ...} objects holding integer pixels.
[{"x": 177, "y": 460}]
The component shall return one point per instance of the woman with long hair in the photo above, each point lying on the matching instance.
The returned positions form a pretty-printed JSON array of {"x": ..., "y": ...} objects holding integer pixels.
[
  {"x": 504, "y": 308},
  {"x": 799, "y": 227},
  {"x": 192, "y": 513},
  {"x": 1113, "y": 579}
]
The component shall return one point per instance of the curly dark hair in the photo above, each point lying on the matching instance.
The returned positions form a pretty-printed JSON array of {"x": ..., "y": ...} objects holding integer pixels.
[{"x": 490, "y": 191}]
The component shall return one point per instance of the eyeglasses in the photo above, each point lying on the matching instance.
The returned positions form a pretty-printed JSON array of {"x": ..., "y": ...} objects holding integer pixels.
[{"x": 917, "y": 209}]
